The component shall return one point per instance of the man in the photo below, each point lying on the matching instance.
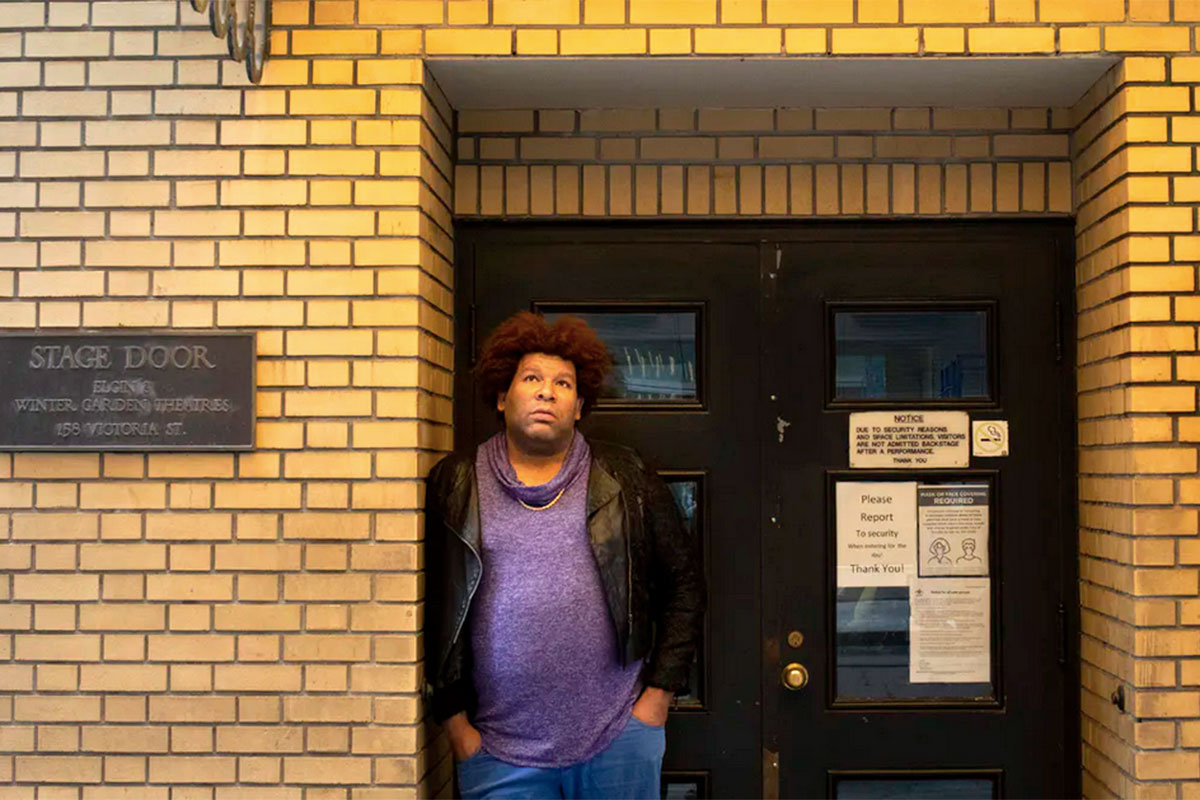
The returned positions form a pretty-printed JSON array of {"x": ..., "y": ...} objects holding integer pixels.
[{"x": 564, "y": 596}]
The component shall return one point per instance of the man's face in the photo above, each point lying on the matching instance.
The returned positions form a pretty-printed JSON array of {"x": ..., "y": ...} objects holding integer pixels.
[{"x": 542, "y": 403}]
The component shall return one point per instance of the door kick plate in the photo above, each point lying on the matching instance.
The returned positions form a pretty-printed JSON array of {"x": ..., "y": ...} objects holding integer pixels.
[{"x": 770, "y": 785}]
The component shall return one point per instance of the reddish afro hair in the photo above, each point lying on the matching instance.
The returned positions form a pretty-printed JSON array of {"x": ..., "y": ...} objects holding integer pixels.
[{"x": 569, "y": 338}]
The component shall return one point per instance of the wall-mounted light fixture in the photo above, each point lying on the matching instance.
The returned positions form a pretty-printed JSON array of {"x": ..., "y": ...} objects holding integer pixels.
[{"x": 245, "y": 25}]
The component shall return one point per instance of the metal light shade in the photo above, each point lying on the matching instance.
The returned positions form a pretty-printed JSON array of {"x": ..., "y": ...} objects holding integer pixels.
[{"x": 245, "y": 26}]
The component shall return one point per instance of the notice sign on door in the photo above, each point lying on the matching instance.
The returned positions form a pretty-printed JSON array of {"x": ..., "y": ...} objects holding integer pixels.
[
  {"x": 909, "y": 439},
  {"x": 876, "y": 533},
  {"x": 953, "y": 530},
  {"x": 950, "y": 630}
]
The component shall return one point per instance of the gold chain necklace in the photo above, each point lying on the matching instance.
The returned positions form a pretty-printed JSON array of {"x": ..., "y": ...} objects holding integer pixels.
[{"x": 543, "y": 508}]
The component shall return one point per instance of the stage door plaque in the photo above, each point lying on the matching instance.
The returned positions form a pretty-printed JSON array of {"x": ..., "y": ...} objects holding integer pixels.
[{"x": 127, "y": 391}]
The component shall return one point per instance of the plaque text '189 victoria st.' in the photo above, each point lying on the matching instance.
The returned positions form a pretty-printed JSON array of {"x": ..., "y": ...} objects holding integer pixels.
[{"x": 137, "y": 391}]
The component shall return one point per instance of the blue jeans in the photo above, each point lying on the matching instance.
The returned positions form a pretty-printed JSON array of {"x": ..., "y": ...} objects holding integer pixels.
[{"x": 628, "y": 769}]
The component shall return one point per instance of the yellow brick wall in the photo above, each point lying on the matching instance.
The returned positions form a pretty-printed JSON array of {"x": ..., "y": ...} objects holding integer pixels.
[
  {"x": 785, "y": 162},
  {"x": 170, "y": 623},
  {"x": 243, "y": 626},
  {"x": 759, "y": 27}
]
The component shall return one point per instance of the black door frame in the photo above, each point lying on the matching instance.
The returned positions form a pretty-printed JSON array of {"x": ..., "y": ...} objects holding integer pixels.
[{"x": 469, "y": 233}]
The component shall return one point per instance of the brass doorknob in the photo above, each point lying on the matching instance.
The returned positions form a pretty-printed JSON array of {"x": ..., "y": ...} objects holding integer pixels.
[{"x": 795, "y": 677}]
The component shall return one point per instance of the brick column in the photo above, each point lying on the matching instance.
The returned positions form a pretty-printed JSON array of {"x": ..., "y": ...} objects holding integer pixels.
[{"x": 1136, "y": 248}]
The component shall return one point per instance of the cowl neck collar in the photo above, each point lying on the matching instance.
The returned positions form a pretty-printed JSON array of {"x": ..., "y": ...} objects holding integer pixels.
[{"x": 575, "y": 464}]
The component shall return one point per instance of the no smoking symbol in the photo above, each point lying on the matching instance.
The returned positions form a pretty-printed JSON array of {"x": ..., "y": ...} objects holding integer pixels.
[{"x": 989, "y": 438}]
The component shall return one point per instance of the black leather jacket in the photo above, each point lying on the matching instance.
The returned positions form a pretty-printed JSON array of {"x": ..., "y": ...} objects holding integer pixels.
[{"x": 649, "y": 567}]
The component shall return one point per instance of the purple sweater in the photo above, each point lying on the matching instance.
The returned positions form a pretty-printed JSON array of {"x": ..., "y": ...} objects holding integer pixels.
[{"x": 551, "y": 688}]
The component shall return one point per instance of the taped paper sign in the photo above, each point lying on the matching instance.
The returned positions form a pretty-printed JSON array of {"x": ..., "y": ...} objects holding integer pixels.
[
  {"x": 953, "y": 530},
  {"x": 876, "y": 533},
  {"x": 950, "y": 630}
]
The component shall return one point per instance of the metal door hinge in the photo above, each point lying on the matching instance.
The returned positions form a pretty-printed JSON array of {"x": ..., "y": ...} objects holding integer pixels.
[
  {"x": 1063, "y": 648},
  {"x": 1058, "y": 333},
  {"x": 471, "y": 343}
]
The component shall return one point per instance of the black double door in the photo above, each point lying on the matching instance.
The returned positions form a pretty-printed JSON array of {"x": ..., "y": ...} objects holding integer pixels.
[{"x": 741, "y": 355}]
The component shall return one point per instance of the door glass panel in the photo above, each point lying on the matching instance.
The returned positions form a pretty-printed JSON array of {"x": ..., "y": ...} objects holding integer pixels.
[
  {"x": 914, "y": 593},
  {"x": 909, "y": 355},
  {"x": 654, "y": 352},
  {"x": 684, "y": 785},
  {"x": 914, "y": 788},
  {"x": 687, "y": 494}
]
